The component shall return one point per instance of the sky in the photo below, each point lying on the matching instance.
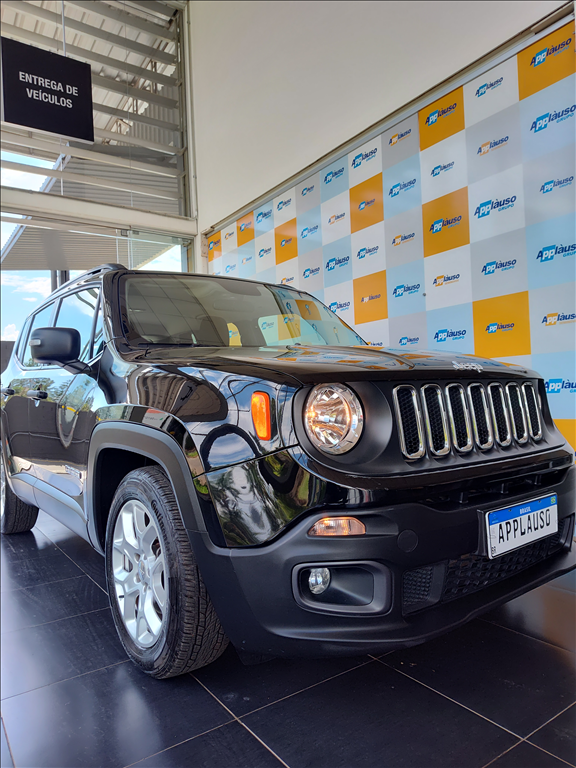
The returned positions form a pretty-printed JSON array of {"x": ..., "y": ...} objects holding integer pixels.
[{"x": 21, "y": 291}]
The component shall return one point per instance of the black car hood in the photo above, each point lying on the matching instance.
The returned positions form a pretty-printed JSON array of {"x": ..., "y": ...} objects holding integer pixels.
[{"x": 311, "y": 364}]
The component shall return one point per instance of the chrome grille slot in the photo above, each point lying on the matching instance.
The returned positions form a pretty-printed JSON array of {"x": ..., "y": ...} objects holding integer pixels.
[
  {"x": 519, "y": 425},
  {"x": 480, "y": 416},
  {"x": 435, "y": 419},
  {"x": 532, "y": 411},
  {"x": 459, "y": 418},
  {"x": 502, "y": 431},
  {"x": 409, "y": 421}
]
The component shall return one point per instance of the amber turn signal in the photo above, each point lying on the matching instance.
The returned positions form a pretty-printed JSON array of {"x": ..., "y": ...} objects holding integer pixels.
[
  {"x": 261, "y": 415},
  {"x": 338, "y": 526}
]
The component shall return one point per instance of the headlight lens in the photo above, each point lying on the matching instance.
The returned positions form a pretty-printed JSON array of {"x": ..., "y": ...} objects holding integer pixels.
[{"x": 333, "y": 418}]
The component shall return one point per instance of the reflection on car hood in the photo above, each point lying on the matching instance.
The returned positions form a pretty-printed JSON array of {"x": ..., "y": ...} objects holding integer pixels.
[{"x": 315, "y": 363}]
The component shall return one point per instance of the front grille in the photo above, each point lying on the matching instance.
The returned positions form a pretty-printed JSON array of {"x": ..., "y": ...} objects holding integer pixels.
[
  {"x": 519, "y": 426},
  {"x": 480, "y": 416},
  {"x": 499, "y": 414},
  {"x": 470, "y": 573},
  {"x": 436, "y": 420},
  {"x": 409, "y": 421},
  {"x": 532, "y": 411}
]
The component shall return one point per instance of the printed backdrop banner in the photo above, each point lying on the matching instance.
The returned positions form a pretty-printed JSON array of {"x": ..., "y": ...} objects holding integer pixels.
[{"x": 454, "y": 230}]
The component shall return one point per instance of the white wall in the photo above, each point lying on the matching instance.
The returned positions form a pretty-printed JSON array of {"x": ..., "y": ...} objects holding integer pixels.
[{"x": 279, "y": 84}]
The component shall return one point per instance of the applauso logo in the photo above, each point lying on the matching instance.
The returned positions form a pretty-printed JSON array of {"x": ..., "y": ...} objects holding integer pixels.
[
  {"x": 433, "y": 117},
  {"x": 549, "y": 251},
  {"x": 494, "y": 205},
  {"x": 311, "y": 272},
  {"x": 267, "y": 325},
  {"x": 213, "y": 244},
  {"x": 308, "y": 231},
  {"x": 363, "y": 157},
  {"x": 555, "y": 386},
  {"x": 493, "y": 327},
  {"x": 445, "y": 279},
  {"x": 398, "y": 137},
  {"x": 558, "y": 318},
  {"x": 405, "y": 340},
  {"x": 544, "y": 121},
  {"x": 332, "y": 175},
  {"x": 439, "y": 224},
  {"x": 440, "y": 168},
  {"x": 551, "y": 185},
  {"x": 399, "y": 239},
  {"x": 402, "y": 186},
  {"x": 488, "y": 146},
  {"x": 230, "y": 268},
  {"x": 263, "y": 215},
  {"x": 491, "y": 267},
  {"x": 264, "y": 252},
  {"x": 448, "y": 333},
  {"x": 229, "y": 234},
  {"x": 371, "y": 297},
  {"x": 404, "y": 290},
  {"x": 286, "y": 281},
  {"x": 554, "y": 50},
  {"x": 286, "y": 241},
  {"x": 246, "y": 259},
  {"x": 333, "y": 263},
  {"x": 306, "y": 190},
  {"x": 339, "y": 306},
  {"x": 245, "y": 225},
  {"x": 366, "y": 204},
  {"x": 284, "y": 204},
  {"x": 363, "y": 252},
  {"x": 483, "y": 90},
  {"x": 337, "y": 217}
]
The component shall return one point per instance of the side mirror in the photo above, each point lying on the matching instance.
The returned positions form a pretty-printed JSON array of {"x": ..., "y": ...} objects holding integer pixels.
[{"x": 55, "y": 346}]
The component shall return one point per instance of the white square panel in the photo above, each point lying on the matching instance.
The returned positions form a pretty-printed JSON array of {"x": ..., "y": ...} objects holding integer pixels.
[
  {"x": 491, "y": 92},
  {"x": 229, "y": 238},
  {"x": 368, "y": 250},
  {"x": 448, "y": 278},
  {"x": 365, "y": 162},
  {"x": 496, "y": 204},
  {"x": 336, "y": 218},
  {"x": 284, "y": 207},
  {"x": 265, "y": 256},
  {"x": 444, "y": 167}
]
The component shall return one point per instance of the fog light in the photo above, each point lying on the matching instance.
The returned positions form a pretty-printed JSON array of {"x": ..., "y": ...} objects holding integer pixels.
[{"x": 319, "y": 580}]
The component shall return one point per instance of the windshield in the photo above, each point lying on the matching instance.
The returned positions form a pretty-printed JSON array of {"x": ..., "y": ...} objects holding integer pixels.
[{"x": 221, "y": 312}]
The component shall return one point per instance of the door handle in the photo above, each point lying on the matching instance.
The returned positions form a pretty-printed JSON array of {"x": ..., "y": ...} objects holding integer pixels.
[
  {"x": 37, "y": 394},
  {"x": 7, "y": 391}
]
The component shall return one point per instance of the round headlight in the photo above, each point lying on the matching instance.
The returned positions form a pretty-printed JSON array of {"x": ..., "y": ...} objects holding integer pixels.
[{"x": 333, "y": 418}]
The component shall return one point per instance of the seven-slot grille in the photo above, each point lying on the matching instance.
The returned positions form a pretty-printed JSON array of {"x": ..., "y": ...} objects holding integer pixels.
[{"x": 461, "y": 417}]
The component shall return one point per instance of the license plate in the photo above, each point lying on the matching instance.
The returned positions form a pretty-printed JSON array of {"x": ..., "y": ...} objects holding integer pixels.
[{"x": 522, "y": 524}]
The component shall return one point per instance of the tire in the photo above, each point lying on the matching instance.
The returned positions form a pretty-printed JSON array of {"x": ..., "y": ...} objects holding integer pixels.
[
  {"x": 15, "y": 515},
  {"x": 160, "y": 606}
]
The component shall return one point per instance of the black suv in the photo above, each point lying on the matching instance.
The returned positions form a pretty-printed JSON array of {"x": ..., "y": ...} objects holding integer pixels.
[{"x": 252, "y": 470}]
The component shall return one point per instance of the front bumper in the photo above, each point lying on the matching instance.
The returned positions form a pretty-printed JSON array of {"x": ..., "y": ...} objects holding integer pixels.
[{"x": 255, "y": 591}]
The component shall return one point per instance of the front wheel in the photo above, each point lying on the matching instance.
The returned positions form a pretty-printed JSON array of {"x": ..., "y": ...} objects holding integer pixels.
[
  {"x": 160, "y": 606},
  {"x": 15, "y": 515}
]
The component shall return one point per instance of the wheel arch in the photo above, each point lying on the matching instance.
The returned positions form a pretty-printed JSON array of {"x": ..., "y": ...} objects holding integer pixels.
[{"x": 117, "y": 449}]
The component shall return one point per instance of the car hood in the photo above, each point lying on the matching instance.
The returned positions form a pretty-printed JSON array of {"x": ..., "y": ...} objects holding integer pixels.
[{"x": 313, "y": 364}]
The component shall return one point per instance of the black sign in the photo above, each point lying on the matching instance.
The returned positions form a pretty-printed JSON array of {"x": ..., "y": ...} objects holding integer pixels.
[{"x": 46, "y": 91}]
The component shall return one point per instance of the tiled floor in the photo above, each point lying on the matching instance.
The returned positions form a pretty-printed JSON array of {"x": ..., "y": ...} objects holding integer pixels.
[{"x": 497, "y": 692}]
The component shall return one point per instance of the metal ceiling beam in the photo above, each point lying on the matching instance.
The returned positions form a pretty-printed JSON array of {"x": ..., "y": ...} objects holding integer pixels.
[
  {"x": 60, "y": 208},
  {"x": 134, "y": 116},
  {"x": 117, "y": 86},
  {"x": 13, "y": 142},
  {"x": 94, "y": 181},
  {"x": 120, "y": 138},
  {"x": 84, "y": 54},
  {"x": 62, "y": 226},
  {"x": 136, "y": 22},
  {"x": 125, "y": 43},
  {"x": 150, "y": 5}
]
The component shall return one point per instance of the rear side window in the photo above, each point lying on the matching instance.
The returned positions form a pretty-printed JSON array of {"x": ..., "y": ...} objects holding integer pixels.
[
  {"x": 77, "y": 311},
  {"x": 42, "y": 319}
]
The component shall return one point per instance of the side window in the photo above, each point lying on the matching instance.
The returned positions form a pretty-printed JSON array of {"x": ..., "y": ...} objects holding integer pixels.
[
  {"x": 98, "y": 333},
  {"x": 77, "y": 311},
  {"x": 42, "y": 319}
]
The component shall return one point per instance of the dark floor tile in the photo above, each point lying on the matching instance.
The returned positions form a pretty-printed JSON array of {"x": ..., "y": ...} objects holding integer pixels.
[
  {"x": 5, "y": 756},
  {"x": 230, "y": 746},
  {"x": 26, "y": 545},
  {"x": 18, "y": 574},
  {"x": 42, "y": 655},
  {"x": 547, "y": 613},
  {"x": 32, "y": 606},
  {"x": 526, "y": 756},
  {"x": 111, "y": 717},
  {"x": 86, "y": 558},
  {"x": 244, "y": 688},
  {"x": 514, "y": 680},
  {"x": 373, "y": 716},
  {"x": 559, "y": 736}
]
